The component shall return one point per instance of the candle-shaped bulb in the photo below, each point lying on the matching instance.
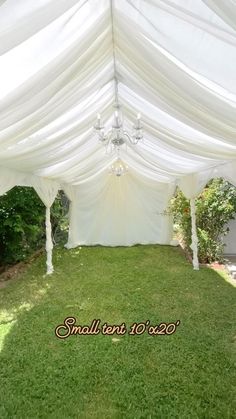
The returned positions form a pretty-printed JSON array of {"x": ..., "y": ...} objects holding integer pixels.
[
  {"x": 116, "y": 118},
  {"x": 138, "y": 120},
  {"x": 98, "y": 123}
]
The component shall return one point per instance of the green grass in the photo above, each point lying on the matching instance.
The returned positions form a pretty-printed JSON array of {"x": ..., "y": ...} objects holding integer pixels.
[{"x": 190, "y": 374}]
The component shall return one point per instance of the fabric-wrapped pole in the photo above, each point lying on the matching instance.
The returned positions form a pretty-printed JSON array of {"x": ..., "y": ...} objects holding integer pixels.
[
  {"x": 49, "y": 243},
  {"x": 194, "y": 244},
  {"x": 47, "y": 191}
]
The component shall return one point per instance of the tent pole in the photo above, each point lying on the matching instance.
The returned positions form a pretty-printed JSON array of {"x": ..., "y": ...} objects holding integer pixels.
[
  {"x": 194, "y": 244},
  {"x": 49, "y": 243}
]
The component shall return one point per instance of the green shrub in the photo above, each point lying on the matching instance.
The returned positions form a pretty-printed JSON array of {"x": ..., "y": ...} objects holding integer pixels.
[
  {"x": 22, "y": 223},
  {"x": 59, "y": 218},
  {"x": 215, "y": 206}
]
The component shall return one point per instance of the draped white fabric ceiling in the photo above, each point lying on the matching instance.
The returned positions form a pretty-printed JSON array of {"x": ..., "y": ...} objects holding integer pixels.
[{"x": 175, "y": 63}]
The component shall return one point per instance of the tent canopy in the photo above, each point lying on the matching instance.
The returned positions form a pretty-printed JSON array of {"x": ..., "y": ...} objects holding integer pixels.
[{"x": 174, "y": 62}]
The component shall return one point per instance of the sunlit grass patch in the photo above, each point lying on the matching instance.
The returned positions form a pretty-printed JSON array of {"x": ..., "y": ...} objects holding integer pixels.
[{"x": 188, "y": 374}]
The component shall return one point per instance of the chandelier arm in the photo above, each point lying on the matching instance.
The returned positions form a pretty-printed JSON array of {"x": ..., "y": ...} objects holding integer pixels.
[
  {"x": 126, "y": 134},
  {"x": 109, "y": 145}
]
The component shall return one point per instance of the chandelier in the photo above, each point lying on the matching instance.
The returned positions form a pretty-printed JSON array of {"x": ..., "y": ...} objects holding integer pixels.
[
  {"x": 116, "y": 136},
  {"x": 118, "y": 168}
]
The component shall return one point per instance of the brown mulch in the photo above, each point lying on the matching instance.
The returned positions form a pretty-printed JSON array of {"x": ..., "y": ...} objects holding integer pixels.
[
  {"x": 217, "y": 266},
  {"x": 8, "y": 273}
]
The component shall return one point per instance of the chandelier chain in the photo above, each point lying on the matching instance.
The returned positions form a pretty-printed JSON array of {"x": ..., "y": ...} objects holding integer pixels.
[{"x": 114, "y": 53}]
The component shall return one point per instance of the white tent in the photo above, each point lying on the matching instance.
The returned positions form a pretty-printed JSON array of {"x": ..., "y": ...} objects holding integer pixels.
[{"x": 174, "y": 61}]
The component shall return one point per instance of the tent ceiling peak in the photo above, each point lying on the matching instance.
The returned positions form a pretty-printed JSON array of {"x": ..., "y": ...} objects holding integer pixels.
[{"x": 113, "y": 52}]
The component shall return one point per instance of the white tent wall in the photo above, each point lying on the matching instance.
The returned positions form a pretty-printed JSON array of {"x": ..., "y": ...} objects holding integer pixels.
[
  {"x": 71, "y": 192},
  {"x": 120, "y": 211}
]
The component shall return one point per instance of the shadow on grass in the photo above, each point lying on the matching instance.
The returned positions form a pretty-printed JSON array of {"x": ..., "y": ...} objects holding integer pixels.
[{"x": 188, "y": 374}]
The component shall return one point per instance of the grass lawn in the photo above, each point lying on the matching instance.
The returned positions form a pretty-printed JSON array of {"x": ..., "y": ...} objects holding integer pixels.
[{"x": 189, "y": 374}]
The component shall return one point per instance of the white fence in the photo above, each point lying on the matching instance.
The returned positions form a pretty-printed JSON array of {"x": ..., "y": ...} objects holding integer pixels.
[{"x": 230, "y": 239}]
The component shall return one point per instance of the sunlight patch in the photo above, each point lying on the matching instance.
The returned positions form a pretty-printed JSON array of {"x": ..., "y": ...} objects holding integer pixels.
[
  {"x": 8, "y": 316},
  {"x": 4, "y": 330}
]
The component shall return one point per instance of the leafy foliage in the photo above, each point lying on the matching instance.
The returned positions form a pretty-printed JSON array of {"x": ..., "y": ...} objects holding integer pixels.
[
  {"x": 22, "y": 223},
  {"x": 215, "y": 206}
]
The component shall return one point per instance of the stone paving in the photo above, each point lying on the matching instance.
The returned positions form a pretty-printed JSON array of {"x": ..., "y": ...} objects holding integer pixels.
[{"x": 230, "y": 265}]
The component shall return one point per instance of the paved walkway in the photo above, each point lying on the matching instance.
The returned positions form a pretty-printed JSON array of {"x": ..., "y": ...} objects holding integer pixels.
[{"x": 230, "y": 265}]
